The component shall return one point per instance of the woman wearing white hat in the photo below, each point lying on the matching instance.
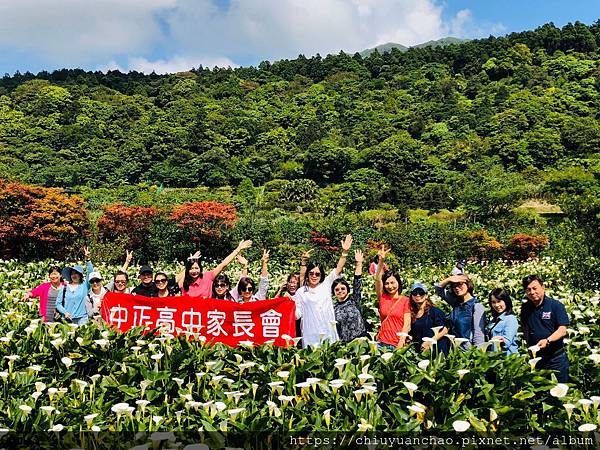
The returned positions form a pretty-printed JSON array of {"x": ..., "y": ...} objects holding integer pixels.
[{"x": 95, "y": 296}]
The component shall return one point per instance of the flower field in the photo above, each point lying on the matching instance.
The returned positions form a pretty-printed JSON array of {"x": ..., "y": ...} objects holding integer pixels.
[{"x": 59, "y": 378}]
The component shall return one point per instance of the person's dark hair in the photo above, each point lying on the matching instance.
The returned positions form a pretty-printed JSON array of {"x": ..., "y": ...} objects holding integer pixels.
[
  {"x": 388, "y": 274},
  {"x": 55, "y": 269},
  {"x": 530, "y": 279},
  {"x": 500, "y": 294},
  {"x": 188, "y": 280},
  {"x": 310, "y": 266},
  {"x": 340, "y": 281},
  {"x": 221, "y": 278},
  {"x": 376, "y": 259},
  {"x": 293, "y": 275},
  {"x": 244, "y": 283},
  {"x": 120, "y": 272},
  {"x": 470, "y": 286}
]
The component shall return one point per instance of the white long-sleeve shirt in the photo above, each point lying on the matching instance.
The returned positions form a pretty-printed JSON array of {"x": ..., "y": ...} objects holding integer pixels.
[{"x": 315, "y": 307}]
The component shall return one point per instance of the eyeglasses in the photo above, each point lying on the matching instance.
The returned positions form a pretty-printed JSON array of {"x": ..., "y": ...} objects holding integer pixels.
[
  {"x": 418, "y": 293},
  {"x": 162, "y": 280},
  {"x": 221, "y": 285},
  {"x": 247, "y": 289},
  {"x": 314, "y": 274}
]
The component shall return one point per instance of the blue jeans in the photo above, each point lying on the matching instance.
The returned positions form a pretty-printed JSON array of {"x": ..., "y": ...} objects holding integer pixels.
[
  {"x": 80, "y": 320},
  {"x": 559, "y": 363}
]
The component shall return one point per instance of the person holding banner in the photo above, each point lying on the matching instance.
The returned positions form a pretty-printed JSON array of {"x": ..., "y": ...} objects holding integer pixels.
[
  {"x": 245, "y": 290},
  {"x": 221, "y": 288},
  {"x": 163, "y": 287},
  {"x": 196, "y": 283},
  {"x": 120, "y": 278},
  {"x": 313, "y": 301},
  {"x": 288, "y": 289}
]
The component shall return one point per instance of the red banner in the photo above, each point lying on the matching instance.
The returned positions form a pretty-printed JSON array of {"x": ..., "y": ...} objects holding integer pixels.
[{"x": 218, "y": 320}]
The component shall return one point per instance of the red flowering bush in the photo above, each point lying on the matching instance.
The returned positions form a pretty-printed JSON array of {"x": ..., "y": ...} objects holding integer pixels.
[{"x": 39, "y": 222}]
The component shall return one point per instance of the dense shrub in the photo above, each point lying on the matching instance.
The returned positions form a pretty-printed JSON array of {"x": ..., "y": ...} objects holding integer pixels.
[
  {"x": 202, "y": 224},
  {"x": 133, "y": 222},
  {"x": 37, "y": 222},
  {"x": 524, "y": 246}
]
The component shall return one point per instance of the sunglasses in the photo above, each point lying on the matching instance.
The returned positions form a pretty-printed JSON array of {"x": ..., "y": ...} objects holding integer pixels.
[
  {"x": 248, "y": 289},
  {"x": 314, "y": 274},
  {"x": 94, "y": 281},
  {"x": 459, "y": 284},
  {"x": 418, "y": 292},
  {"x": 221, "y": 285},
  {"x": 120, "y": 281},
  {"x": 162, "y": 280}
]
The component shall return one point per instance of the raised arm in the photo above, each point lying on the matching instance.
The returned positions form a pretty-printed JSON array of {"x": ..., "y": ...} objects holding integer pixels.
[
  {"x": 264, "y": 263},
  {"x": 357, "y": 282},
  {"x": 346, "y": 244},
  {"x": 89, "y": 266},
  {"x": 244, "y": 263},
  {"x": 241, "y": 246},
  {"x": 303, "y": 263},
  {"x": 378, "y": 281},
  {"x": 440, "y": 289},
  {"x": 128, "y": 258},
  {"x": 359, "y": 259}
]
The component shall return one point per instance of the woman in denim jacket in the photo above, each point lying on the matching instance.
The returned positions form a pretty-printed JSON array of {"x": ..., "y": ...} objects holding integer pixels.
[
  {"x": 467, "y": 319},
  {"x": 502, "y": 329}
]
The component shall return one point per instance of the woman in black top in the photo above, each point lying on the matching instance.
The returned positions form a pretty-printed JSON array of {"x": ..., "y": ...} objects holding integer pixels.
[
  {"x": 428, "y": 321},
  {"x": 347, "y": 308}
]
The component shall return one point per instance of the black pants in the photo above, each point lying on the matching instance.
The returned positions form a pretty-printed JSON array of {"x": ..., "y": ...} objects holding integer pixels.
[{"x": 558, "y": 362}]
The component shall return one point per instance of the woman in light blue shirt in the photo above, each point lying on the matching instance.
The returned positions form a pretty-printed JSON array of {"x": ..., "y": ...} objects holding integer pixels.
[
  {"x": 502, "y": 329},
  {"x": 71, "y": 298}
]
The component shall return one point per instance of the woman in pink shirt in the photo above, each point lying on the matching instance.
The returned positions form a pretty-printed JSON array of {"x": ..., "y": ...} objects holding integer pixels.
[
  {"x": 47, "y": 293},
  {"x": 196, "y": 283}
]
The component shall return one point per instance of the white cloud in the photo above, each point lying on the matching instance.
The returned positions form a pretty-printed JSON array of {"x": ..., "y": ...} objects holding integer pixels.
[
  {"x": 186, "y": 33},
  {"x": 275, "y": 29},
  {"x": 161, "y": 66},
  {"x": 176, "y": 64},
  {"x": 464, "y": 25},
  {"x": 80, "y": 31}
]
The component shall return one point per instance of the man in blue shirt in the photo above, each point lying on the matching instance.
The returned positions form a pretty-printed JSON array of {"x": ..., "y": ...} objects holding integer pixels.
[{"x": 544, "y": 321}]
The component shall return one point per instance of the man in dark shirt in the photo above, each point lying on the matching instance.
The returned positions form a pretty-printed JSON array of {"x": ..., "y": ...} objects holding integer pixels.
[
  {"x": 544, "y": 321},
  {"x": 147, "y": 288}
]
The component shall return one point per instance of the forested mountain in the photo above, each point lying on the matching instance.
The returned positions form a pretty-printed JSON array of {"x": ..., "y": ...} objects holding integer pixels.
[{"x": 404, "y": 119}]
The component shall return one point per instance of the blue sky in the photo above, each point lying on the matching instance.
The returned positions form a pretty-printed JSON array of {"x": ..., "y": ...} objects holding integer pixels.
[{"x": 176, "y": 35}]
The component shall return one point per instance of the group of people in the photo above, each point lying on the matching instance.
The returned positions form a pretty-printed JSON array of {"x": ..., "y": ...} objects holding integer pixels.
[{"x": 328, "y": 308}]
